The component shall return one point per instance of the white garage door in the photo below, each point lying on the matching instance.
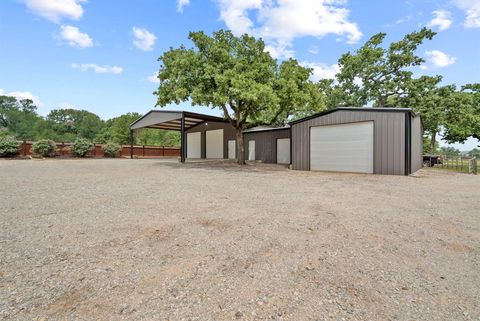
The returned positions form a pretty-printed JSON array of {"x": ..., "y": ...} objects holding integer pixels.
[
  {"x": 342, "y": 148},
  {"x": 214, "y": 142},
  {"x": 283, "y": 151},
  {"x": 194, "y": 145},
  {"x": 251, "y": 150},
  {"x": 231, "y": 149}
]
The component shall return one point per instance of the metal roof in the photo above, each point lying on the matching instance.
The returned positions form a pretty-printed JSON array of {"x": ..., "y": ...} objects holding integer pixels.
[
  {"x": 172, "y": 120},
  {"x": 363, "y": 109}
]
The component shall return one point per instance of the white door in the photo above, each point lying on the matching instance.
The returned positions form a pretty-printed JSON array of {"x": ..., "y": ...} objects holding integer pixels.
[
  {"x": 231, "y": 149},
  {"x": 342, "y": 148},
  {"x": 283, "y": 151},
  {"x": 194, "y": 145},
  {"x": 251, "y": 150},
  {"x": 214, "y": 143}
]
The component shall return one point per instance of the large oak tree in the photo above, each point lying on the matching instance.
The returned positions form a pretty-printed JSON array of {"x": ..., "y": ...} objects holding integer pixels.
[{"x": 237, "y": 76}]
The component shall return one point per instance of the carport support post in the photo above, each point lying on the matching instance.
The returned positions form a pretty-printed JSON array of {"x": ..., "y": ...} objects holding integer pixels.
[
  {"x": 131, "y": 143},
  {"x": 182, "y": 139}
]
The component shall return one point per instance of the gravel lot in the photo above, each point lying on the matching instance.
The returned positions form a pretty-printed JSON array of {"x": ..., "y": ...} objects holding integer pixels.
[{"x": 156, "y": 240}]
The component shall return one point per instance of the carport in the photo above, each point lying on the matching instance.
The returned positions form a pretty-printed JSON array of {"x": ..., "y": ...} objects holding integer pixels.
[{"x": 172, "y": 120}]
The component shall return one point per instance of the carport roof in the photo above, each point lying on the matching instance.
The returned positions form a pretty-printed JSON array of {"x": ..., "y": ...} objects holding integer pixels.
[{"x": 172, "y": 120}]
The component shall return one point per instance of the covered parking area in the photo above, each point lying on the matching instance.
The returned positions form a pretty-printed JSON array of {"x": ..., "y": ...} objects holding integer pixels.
[{"x": 181, "y": 121}]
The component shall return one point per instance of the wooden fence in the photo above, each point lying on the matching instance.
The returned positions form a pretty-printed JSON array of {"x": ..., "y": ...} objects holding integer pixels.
[{"x": 141, "y": 151}]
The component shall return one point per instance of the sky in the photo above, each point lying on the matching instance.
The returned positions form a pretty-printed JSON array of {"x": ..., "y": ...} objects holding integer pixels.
[{"x": 102, "y": 55}]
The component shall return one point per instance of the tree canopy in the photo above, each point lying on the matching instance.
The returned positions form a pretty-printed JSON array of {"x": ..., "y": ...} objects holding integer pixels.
[
  {"x": 237, "y": 76},
  {"x": 19, "y": 118},
  {"x": 374, "y": 74}
]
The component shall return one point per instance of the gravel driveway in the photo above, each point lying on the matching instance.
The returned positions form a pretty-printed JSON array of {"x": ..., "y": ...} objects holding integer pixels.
[{"x": 155, "y": 240}]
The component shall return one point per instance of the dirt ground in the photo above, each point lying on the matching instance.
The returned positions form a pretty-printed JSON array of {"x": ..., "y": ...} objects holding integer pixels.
[{"x": 156, "y": 240}]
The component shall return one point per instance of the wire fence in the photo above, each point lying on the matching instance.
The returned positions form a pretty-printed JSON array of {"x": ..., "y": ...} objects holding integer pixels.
[{"x": 460, "y": 164}]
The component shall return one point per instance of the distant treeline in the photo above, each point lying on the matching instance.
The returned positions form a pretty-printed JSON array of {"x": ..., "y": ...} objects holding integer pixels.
[{"x": 19, "y": 118}]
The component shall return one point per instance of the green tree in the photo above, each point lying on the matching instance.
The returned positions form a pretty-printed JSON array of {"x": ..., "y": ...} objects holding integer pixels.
[
  {"x": 373, "y": 73},
  {"x": 449, "y": 151},
  {"x": 430, "y": 101},
  {"x": 117, "y": 129},
  {"x": 235, "y": 75},
  {"x": 7, "y": 105},
  {"x": 19, "y": 117},
  {"x": 474, "y": 153},
  {"x": 462, "y": 114},
  {"x": 72, "y": 123}
]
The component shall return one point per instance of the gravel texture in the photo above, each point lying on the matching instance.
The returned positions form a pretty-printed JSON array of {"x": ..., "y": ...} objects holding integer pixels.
[{"x": 156, "y": 240}]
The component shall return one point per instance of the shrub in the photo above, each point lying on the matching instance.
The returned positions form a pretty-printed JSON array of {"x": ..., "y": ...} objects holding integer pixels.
[
  {"x": 44, "y": 147},
  {"x": 111, "y": 150},
  {"x": 81, "y": 147},
  {"x": 8, "y": 146}
]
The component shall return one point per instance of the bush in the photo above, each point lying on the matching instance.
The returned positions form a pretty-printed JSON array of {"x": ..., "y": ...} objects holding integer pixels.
[
  {"x": 111, "y": 150},
  {"x": 81, "y": 147},
  {"x": 8, "y": 146},
  {"x": 44, "y": 147}
]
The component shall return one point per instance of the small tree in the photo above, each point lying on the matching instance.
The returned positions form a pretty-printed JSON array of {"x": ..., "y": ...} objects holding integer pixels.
[
  {"x": 8, "y": 146},
  {"x": 81, "y": 147},
  {"x": 449, "y": 151},
  {"x": 235, "y": 75},
  {"x": 45, "y": 148}
]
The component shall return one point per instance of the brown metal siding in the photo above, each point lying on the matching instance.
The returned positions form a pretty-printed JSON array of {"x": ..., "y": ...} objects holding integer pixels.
[
  {"x": 265, "y": 143},
  {"x": 417, "y": 144},
  {"x": 389, "y": 138},
  {"x": 228, "y": 134}
]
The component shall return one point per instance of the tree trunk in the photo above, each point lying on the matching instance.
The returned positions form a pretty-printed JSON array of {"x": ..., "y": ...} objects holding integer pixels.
[
  {"x": 432, "y": 143},
  {"x": 240, "y": 146}
]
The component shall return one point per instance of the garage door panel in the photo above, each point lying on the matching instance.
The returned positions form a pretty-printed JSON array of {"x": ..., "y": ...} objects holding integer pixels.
[
  {"x": 283, "y": 151},
  {"x": 214, "y": 143},
  {"x": 194, "y": 145},
  {"x": 342, "y": 148}
]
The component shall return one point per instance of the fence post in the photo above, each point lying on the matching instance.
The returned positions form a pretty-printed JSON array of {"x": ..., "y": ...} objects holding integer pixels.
[
  {"x": 24, "y": 148},
  {"x": 472, "y": 166}
]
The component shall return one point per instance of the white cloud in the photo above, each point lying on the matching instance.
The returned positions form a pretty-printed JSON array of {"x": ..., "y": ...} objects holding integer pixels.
[
  {"x": 279, "y": 22},
  {"x": 105, "y": 69},
  {"x": 472, "y": 12},
  {"x": 23, "y": 95},
  {"x": 74, "y": 37},
  {"x": 314, "y": 50},
  {"x": 181, "y": 4},
  {"x": 321, "y": 70},
  {"x": 143, "y": 39},
  {"x": 439, "y": 59},
  {"x": 403, "y": 20},
  {"x": 56, "y": 10},
  {"x": 442, "y": 19},
  {"x": 154, "y": 78},
  {"x": 280, "y": 51}
]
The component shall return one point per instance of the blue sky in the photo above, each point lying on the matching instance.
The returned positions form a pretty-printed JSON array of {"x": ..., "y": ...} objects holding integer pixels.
[{"x": 100, "y": 55}]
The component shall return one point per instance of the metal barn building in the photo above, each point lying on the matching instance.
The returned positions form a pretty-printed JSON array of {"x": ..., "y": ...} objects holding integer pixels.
[
  {"x": 269, "y": 145},
  {"x": 361, "y": 140}
]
